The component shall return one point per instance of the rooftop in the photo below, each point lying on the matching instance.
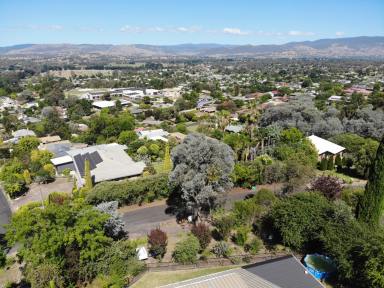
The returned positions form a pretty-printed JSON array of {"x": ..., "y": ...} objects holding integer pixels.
[
  {"x": 323, "y": 145},
  {"x": 107, "y": 161}
]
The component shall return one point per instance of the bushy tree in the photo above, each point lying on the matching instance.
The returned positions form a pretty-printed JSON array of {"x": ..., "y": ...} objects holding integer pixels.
[
  {"x": 186, "y": 250},
  {"x": 224, "y": 223},
  {"x": 114, "y": 226},
  {"x": 75, "y": 238},
  {"x": 360, "y": 152},
  {"x": 202, "y": 167},
  {"x": 203, "y": 233},
  {"x": 158, "y": 241}
]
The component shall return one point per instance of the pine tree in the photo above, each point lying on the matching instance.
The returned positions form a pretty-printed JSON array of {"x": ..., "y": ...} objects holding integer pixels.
[
  {"x": 338, "y": 161},
  {"x": 87, "y": 175},
  {"x": 323, "y": 164},
  {"x": 371, "y": 205},
  {"x": 167, "y": 164},
  {"x": 330, "y": 164}
]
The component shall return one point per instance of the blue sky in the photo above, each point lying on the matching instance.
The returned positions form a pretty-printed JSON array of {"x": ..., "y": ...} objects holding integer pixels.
[{"x": 193, "y": 21}]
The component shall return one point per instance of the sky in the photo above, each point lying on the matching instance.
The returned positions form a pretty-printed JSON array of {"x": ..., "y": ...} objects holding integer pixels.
[{"x": 167, "y": 22}]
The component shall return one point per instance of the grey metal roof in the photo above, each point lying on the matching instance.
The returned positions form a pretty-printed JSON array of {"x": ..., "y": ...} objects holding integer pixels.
[
  {"x": 286, "y": 272},
  {"x": 107, "y": 161},
  {"x": 23, "y": 133},
  {"x": 238, "y": 278}
]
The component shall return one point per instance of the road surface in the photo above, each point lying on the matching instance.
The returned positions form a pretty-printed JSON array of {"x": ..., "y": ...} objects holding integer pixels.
[
  {"x": 140, "y": 221},
  {"x": 5, "y": 211}
]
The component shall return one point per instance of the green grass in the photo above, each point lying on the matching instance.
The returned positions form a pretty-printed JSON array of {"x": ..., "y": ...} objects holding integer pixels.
[
  {"x": 156, "y": 279},
  {"x": 346, "y": 179}
]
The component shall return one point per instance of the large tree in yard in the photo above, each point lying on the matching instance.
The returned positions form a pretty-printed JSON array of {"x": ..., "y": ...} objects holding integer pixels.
[
  {"x": 372, "y": 203},
  {"x": 201, "y": 174}
]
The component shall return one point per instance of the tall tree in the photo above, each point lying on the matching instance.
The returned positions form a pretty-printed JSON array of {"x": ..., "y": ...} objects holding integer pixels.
[
  {"x": 202, "y": 167},
  {"x": 88, "y": 178},
  {"x": 372, "y": 204},
  {"x": 167, "y": 164}
]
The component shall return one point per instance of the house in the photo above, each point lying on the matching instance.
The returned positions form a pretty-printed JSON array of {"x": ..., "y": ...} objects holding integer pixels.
[
  {"x": 156, "y": 134},
  {"x": 151, "y": 121},
  {"x": 23, "y": 133},
  {"x": 234, "y": 128},
  {"x": 18, "y": 134},
  {"x": 94, "y": 95},
  {"x": 103, "y": 104},
  {"x": 107, "y": 162},
  {"x": 178, "y": 136},
  {"x": 210, "y": 109},
  {"x": 335, "y": 98},
  {"x": 324, "y": 147},
  {"x": 281, "y": 272},
  {"x": 50, "y": 139},
  {"x": 204, "y": 101}
]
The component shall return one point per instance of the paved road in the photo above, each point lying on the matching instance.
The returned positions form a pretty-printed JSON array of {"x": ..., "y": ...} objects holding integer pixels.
[
  {"x": 5, "y": 211},
  {"x": 141, "y": 221}
]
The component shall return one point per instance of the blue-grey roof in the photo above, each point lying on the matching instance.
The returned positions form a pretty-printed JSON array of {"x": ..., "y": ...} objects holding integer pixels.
[{"x": 285, "y": 272}]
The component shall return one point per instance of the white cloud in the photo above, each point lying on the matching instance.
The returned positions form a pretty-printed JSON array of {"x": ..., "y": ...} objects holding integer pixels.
[
  {"x": 190, "y": 29},
  {"x": 141, "y": 29},
  {"x": 300, "y": 33},
  {"x": 53, "y": 27},
  {"x": 235, "y": 31},
  {"x": 339, "y": 33}
]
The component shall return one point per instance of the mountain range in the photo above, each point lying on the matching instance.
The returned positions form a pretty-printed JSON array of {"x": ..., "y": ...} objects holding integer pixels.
[{"x": 363, "y": 46}]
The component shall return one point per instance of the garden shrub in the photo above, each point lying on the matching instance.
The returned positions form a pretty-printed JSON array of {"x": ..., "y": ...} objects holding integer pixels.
[
  {"x": 157, "y": 241},
  {"x": 186, "y": 250},
  {"x": 329, "y": 186},
  {"x": 254, "y": 246},
  {"x": 352, "y": 196},
  {"x": 241, "y": 235},
  {"x": 222, "y": 249},
  {"x": 224, "y": 224},
  {"x": 202, "y": 232}
]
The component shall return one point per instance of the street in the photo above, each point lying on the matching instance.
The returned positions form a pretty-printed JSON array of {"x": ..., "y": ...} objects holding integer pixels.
[{"x": 140, "y": 221}]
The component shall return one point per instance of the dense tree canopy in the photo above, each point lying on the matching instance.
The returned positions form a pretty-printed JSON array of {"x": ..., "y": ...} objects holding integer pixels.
[{"x": 201, "y": 172}]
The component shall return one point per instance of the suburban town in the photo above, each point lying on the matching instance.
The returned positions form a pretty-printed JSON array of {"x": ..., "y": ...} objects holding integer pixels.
[{"x": 191, "y": 165}]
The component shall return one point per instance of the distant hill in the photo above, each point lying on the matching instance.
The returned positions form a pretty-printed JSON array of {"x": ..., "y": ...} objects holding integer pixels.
[{"x": 363, "y": 46}]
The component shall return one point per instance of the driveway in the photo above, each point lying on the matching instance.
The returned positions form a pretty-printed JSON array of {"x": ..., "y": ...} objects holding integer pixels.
[
  {"x": 139, "y": 220},
  {"x": 5, "y": 211},
  {"x": 40, "y": 192}
]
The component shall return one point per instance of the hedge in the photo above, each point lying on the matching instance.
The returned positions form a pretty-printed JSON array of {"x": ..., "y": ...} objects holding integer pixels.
[{"x": 128, "y": 192}]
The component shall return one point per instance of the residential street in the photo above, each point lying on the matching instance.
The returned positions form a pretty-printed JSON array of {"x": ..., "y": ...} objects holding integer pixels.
[
  {"x": 139, "y": 221},
  {"x": 5, "y": 211}
]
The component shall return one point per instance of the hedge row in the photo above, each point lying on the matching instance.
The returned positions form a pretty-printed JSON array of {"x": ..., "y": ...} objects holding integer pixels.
[{"x": 128, "y": 192}]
